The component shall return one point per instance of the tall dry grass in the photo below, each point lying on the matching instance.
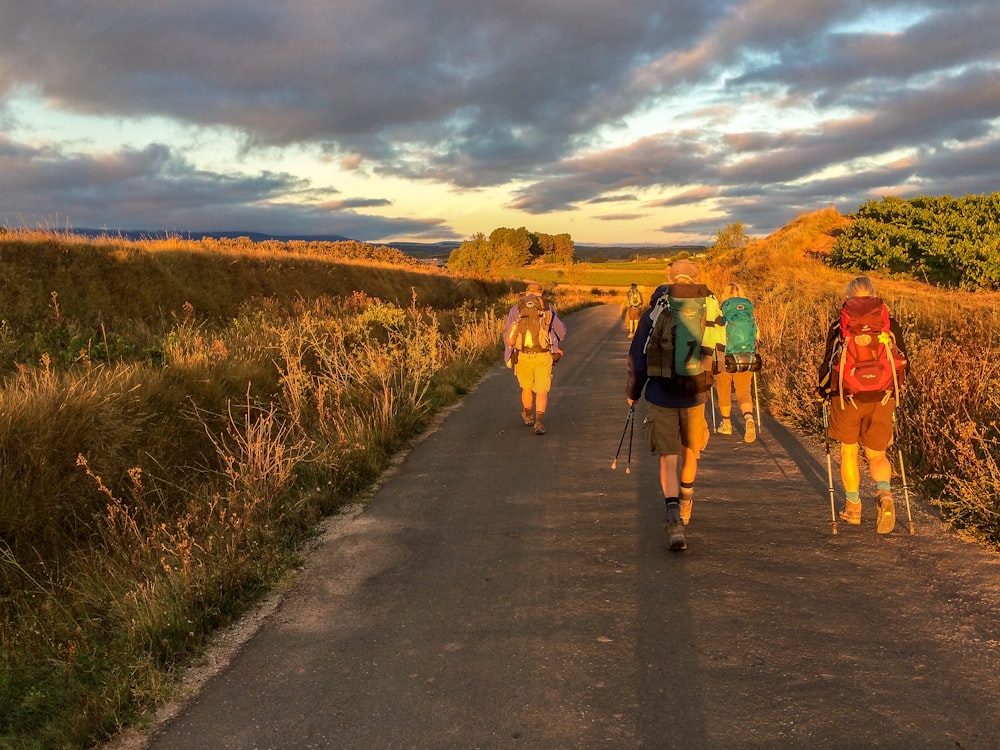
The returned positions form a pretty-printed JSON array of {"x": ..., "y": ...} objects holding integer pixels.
[
  {"x": 143, "y": 504},
  {"x": 948, "y": 422}
]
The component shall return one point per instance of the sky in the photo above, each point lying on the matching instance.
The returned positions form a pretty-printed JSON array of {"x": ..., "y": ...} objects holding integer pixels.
[{"x": 619, "y": 122}]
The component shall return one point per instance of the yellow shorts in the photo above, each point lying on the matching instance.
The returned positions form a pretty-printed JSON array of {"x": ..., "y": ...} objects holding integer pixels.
[{"x": 534, "y": 371}]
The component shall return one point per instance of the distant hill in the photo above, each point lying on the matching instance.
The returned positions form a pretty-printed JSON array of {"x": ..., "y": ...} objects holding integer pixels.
[
  {"x": 161, "y": 234},
  {"x": 425, "y": 251}
]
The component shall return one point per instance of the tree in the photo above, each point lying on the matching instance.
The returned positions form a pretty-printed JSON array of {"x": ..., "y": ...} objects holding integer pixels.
[{"x": 732, "y": 237}]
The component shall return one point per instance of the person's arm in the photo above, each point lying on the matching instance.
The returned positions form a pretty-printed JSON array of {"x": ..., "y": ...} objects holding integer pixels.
[
  {"x": 824, "y": 387},
  {"x": 557, "y": 327},
  {"x": 636, "y": 361},
  {"x": 508, "y": 324}
]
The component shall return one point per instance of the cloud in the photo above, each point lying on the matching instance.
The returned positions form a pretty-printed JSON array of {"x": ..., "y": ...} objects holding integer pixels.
[
  {"x": 727, "y": 109},
  {"x": 156, "y": 189}
]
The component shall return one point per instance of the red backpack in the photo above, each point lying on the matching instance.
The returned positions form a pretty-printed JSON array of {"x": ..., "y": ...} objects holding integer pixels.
[{"x": 869, "y": 360}]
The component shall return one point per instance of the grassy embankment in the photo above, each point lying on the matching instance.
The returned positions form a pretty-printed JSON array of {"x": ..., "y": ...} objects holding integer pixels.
[
  {"x": 174, "y": 419},
  {"x": 949, "y": 417}
]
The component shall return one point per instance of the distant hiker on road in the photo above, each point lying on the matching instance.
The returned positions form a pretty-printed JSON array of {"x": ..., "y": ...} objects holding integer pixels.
[
  {"x": 737, "y": 363},
  {"x": 670, "y": 358},
  {"x": 633, "y": 309},
  {"x": 532, "y": 337},
  {"x": 859, "y": 380}
]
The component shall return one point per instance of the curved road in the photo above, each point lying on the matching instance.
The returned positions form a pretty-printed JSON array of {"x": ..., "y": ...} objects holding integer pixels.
[{"x": 505, "y": 590}]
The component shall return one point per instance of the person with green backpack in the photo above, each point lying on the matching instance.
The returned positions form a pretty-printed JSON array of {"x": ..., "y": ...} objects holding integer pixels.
[
  {"x": 670, "y": 361},
  {"x": 737, "y": 365}
]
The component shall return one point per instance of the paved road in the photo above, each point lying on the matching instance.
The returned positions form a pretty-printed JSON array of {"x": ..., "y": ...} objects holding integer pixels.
[{"x": 504, "y": 590}]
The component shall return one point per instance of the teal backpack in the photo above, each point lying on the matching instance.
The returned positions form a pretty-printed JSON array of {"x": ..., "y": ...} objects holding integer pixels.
[
  {"x": 741, "y": 335},
  {"x": 674, "y": 349}
]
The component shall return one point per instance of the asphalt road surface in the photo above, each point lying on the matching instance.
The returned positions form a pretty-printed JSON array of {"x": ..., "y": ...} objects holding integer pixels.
[{"x": 508, "y": 590}]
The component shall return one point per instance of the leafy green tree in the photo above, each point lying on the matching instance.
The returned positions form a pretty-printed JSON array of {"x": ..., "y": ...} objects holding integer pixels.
[
  {"x": 731, "y": 237},
  {"x": 936, "y": 239}
]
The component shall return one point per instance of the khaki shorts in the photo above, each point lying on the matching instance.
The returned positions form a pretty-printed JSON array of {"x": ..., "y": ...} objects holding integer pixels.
[
  {"x": 867, "y": 423},
  {"x": 534, "y": 371},
  {"x": 669, "y": 430}
]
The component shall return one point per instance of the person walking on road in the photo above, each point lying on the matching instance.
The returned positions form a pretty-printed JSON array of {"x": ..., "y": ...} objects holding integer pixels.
[
  {"x": 740, "y": 331},
  {"x": 670, "y": 360},
  {"x": 533, "y": 334},
  {"x": 859, "y": 379},
  {"x": 633, "y": 309}
]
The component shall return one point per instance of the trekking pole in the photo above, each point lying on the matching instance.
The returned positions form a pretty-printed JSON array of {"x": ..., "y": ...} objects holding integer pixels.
[
  {"x": 631, "y": 430},
  {"x": 756, "y": 398},
  {"x": 711, "y": 394},
  {"x": 902, "y": 476},
  {"x": 628, "y": 421},
  {"x": 829, "y": 465}
]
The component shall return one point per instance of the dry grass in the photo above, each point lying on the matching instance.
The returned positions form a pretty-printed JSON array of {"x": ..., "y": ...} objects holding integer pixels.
[{"x": 145, "y": 502}]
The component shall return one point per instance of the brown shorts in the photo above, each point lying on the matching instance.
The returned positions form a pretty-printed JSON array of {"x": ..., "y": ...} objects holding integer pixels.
[
  {"x": 669, "y": 431},
  {"x": 633, "y": 313},
  {"x": 869, "y": 424}
]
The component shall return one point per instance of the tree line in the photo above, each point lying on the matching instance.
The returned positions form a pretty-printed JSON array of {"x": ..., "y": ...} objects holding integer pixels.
[{"x": 510, "y": 248}]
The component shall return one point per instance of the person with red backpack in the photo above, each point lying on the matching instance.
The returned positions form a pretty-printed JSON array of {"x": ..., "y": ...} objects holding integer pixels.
[
  {"x": 532, "y": 345},
  {"x": 859, "y": 379}
]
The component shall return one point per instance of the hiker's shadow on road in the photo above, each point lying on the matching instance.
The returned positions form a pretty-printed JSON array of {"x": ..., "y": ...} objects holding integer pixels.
[{"x": 809, "y": 465}]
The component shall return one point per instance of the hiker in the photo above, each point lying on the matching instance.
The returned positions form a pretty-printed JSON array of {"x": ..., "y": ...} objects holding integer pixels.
[
  {"x": 859, "y": 379},
  {"x": 676, "y": 384},
  {"x": 736, "y": 365},
  {"x": 633, "y": 309},
  {"x": 533, "y": 335}
]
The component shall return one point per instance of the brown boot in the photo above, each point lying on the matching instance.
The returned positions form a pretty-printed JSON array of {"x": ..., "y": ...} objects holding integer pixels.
[
  {"x": 886, "y": 512},
  {"x": 539, "y": 427},
  {"x": 851, "y": 513}
]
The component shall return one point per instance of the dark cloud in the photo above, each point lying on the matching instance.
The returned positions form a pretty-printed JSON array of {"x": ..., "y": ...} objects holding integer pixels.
[
  {"x": 153, "y": 189},
  {"x": 904, "y": 97}
]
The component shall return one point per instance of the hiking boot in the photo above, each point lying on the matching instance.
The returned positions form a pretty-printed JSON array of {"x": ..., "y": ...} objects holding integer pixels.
[
  {"x": 527, "y": 417},
  {"x": 750, "y": 433},
  {"x": 851, "y": 513},
  {"x": 886, "y": 512},
  {"x": 726, "y": 428},
  {"x": 675, "y": 528},
  {"x": 687, "y": 501},
  {"x": 539, "y": 427}
]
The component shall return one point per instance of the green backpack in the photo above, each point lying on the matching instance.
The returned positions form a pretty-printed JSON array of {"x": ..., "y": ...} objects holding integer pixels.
[{"x": 673, "y": 348}]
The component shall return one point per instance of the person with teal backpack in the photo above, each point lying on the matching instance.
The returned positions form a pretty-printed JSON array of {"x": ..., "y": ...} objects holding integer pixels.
[
  {"x": 670, "y": 364},
  {"x": 739, "y": 362}
]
